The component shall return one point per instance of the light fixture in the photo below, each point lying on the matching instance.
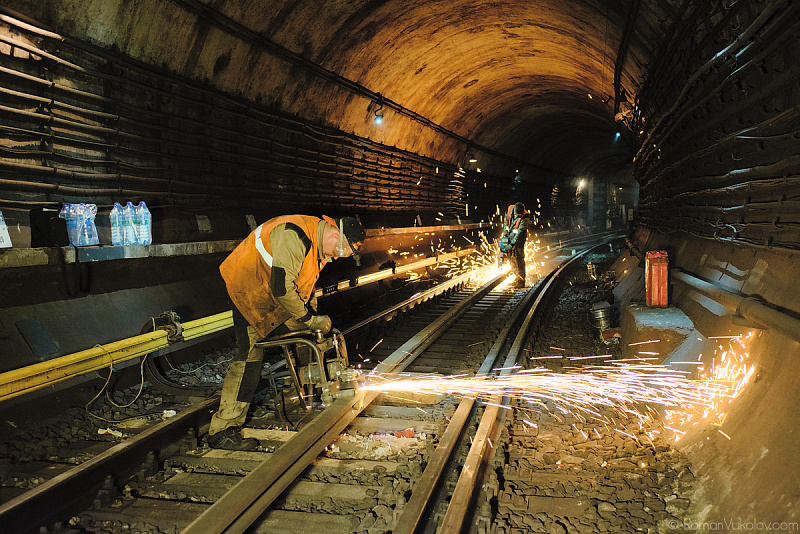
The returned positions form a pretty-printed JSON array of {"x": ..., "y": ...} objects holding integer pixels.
[
  {"x": 616, "y": 136},
  {"x": 471, "y": 156},
  {"x": 378, "y": 115}
]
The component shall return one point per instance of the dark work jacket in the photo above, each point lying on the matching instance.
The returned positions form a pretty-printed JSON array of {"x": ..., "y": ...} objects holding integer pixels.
[{"x": 516, "y": 228}]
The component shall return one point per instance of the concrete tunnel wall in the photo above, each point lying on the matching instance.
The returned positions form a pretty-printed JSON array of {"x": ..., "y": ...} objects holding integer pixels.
[{"x": 744, "y": 463}]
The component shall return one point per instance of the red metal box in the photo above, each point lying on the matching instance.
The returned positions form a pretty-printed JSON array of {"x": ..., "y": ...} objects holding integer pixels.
[{"x": 656, "y": 278}]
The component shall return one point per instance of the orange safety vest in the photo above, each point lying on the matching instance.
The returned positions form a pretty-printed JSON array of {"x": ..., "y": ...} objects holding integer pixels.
[
  {"x": 510, "y": 218},
  {"x": 248, "y": 269}
]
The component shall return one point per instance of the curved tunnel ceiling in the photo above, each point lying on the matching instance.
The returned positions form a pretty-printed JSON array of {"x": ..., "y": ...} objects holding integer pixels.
[
  {"x": 531, "y": 82},
  {"x": 534, "y": 81}
]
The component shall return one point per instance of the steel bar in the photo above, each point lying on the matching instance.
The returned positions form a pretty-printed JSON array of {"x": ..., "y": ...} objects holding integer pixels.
[
  {"x": 388, "y": 273},
  {"x": 746, "y": 307},
  {"x": 248, "y": 499},
  {"x": 67, "y": 494},
  {"x": 462, "y": 498},
  {"x": 410, "y": 520}
]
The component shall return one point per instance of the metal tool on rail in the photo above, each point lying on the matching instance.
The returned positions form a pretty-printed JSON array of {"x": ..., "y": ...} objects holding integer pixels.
[{"x": 327, "y": 368}]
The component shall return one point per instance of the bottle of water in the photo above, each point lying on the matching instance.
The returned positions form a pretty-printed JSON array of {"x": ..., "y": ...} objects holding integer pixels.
[
  {"x": 88, "y": 230},
  {"x": 145, "y": 227},
  {"x": 128, "y": 222},
  {"x": 64, "y": 214},
  {"x": 69, "y": 212},
  {"x": 115, "y": 217},
  {"x": 78, "y": 216}
]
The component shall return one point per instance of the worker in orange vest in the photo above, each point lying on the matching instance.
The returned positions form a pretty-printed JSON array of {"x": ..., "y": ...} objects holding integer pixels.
[
  {"x": 270, "y": 278},
  {"x": 512, "y": 242}
]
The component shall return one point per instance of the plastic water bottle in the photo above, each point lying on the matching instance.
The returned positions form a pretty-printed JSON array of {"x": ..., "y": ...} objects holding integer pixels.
[
  {"x": 78, "y": 216},
  {"x": 64, "y": 214},
  {"x": 69, "y": 212},
  {"x": 145, "y": 228},
  {"x": 87, "y": 231},
  {"x": 115, "y": 217},
  {"x": 128, "y": 222}
]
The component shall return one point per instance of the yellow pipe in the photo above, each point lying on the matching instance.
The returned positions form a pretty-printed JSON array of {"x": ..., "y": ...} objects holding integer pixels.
[
  {"x": 207, "y": 325},
  {"x": 27, "y": 379}
]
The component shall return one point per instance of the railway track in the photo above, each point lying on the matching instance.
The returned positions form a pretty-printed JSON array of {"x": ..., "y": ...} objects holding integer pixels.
[{"x": 366, "y": 462}]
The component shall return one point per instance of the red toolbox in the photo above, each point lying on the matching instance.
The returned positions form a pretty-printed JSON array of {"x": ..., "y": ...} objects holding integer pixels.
[{"x": 656, "y": 278}]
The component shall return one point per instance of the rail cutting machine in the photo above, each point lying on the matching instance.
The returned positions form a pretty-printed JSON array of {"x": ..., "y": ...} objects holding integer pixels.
[{"x": 316, "y": 360}]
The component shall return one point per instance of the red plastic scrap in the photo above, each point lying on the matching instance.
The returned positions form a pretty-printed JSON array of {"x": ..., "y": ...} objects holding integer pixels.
[{"x": 407, "y": 433}]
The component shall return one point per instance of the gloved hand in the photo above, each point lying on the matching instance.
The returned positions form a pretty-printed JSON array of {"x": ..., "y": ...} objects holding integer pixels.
[
  {"x": 312, "y": 303},
  {"x": 320, "y": 323}
]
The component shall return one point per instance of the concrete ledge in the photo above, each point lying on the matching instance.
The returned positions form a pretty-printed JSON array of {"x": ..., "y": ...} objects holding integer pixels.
[{"x": 653, "y": 332}]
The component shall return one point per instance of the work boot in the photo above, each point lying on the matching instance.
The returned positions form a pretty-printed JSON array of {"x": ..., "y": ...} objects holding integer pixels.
[{"x": 231, "y": 439}]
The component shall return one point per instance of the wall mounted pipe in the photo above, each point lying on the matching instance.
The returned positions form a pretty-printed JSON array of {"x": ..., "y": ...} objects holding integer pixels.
[
  {"x": 33, "y": 377},
  {"x": 747, "y": 307}
]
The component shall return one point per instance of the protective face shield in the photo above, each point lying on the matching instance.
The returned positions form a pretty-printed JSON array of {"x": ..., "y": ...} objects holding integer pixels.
[{"x": 341, "y": 251}]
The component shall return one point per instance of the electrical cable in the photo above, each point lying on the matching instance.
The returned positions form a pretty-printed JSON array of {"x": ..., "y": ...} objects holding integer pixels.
[{"x": 105, "y": 386}]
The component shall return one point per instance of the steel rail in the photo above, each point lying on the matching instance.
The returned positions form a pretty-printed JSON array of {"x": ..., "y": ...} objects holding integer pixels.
[
  {"x": 238, "y": 509},
  {"x": 416, "y": 506},
  {"x": 462, "y": 499},
  {"x": 76, "y": 489},
  {"x": 62, "y": 496}
]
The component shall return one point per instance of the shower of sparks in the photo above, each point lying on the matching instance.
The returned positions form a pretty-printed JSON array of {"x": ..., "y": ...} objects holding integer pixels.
[
  {"x": 484, "y": 265},
  {"x": 729, "y": 365},
  {"x": 644, "y": 342},
  {"x": 599, "y": 393}
]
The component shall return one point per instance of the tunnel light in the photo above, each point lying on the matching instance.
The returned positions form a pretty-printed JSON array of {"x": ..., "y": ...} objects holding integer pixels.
[
  {"x": 378, "y": 119},
  {"x": 616, "y": 136}
]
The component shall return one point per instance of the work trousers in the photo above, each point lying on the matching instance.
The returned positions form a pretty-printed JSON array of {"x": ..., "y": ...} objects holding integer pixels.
[
  {"x": 518, "y": 265},
  {"x": 244, "y": 373}
]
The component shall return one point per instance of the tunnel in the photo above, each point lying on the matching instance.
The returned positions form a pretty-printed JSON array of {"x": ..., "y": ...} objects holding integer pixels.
[{"x": 674, "y": 121}]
